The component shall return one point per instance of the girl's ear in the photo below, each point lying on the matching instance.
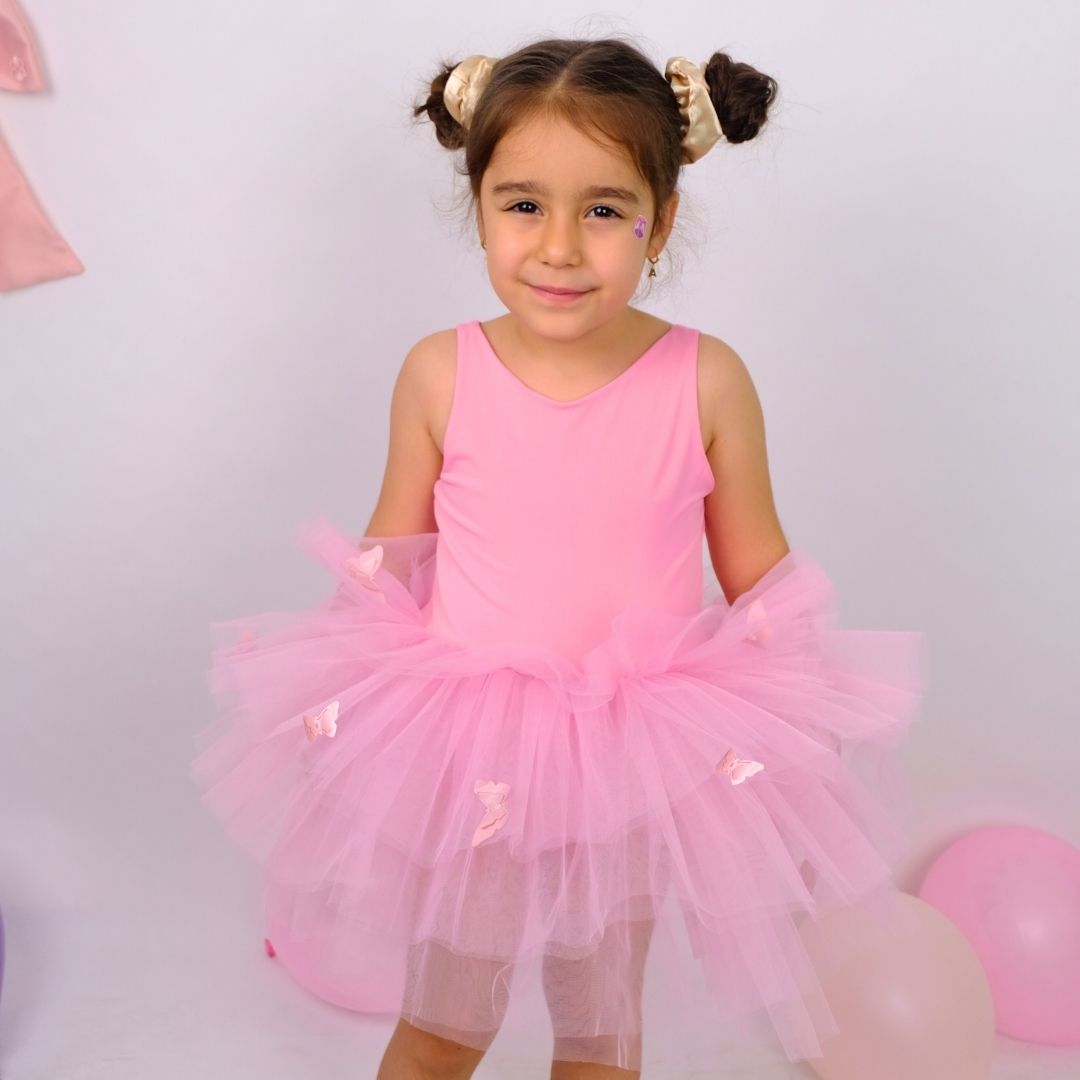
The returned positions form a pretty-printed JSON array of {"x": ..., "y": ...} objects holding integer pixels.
[{"x": 666, "y": 218}]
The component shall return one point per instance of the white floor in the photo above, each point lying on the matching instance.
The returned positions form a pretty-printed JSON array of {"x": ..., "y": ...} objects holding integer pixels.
[
  {"x": 83, "y": 1000},
  {"x": 121, "y": 991}
]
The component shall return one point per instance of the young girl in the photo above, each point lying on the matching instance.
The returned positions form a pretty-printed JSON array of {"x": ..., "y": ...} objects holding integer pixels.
[{"x": 520, "y": 736}]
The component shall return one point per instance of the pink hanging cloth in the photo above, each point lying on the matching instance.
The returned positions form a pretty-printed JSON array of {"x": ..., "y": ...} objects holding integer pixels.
[{"x": 31, "y": 250}]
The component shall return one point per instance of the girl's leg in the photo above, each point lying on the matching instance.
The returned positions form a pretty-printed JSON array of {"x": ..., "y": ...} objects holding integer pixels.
[
  {"x": 595, "y": 1005},
  {"x": 414, "y": 1054},
  {"x": 452, "y": 1010},
  {"x": 585, "y": 1070}
]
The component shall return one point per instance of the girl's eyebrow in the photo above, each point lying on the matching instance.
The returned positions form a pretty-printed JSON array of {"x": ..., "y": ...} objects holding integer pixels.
[{"x": 596, "y": 191}]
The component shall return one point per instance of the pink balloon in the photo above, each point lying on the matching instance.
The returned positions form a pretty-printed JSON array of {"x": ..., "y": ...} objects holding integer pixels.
[
  {"x": 294, "y": 942},
  {"x": 911, "y": 1003},
  {"x": 1014, "y": 892}
]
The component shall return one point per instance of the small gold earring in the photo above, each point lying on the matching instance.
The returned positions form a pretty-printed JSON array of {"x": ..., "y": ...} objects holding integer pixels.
[{"x": 652, "y": 268}]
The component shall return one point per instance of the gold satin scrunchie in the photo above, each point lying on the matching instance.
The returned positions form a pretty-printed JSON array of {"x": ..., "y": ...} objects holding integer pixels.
[
  {"x": 700, "y": 125},
  {"x": 465, "y": 85}
]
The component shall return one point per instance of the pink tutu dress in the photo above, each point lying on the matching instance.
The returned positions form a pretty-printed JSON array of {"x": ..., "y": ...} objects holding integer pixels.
[{"x": 535, "y": 755}]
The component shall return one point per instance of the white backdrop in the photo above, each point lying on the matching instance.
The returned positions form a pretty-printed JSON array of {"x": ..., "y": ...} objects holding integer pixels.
[{"x": 266, "y": 233}]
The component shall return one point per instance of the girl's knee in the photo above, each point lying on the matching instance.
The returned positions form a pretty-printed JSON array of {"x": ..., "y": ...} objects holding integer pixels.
[
  {"x": 417, "y": 1054},
  {"x": 592, "y": 1058},
  {"x": 460, "y": 1000}
]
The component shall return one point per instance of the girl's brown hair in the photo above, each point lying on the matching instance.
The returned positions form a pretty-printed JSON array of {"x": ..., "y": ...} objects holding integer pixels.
[{"x": 606, "y": 88}]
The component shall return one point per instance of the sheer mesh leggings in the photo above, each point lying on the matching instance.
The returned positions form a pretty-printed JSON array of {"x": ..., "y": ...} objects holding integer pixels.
[{"x": 595, "y": 1001}]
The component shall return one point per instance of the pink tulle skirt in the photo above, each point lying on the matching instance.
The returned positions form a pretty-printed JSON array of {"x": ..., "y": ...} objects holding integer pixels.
[{"x": 609, "y": 860}]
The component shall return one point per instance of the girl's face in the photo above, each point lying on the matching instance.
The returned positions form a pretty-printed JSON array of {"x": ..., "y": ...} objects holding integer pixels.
[{"x": 558, "y": 211}]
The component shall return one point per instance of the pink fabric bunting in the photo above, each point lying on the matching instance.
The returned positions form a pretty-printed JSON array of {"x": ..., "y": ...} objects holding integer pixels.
[{"x": 31, "y": 250}]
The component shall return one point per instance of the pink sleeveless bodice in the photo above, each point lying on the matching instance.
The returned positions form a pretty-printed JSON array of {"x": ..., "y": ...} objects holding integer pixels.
[{"x": 553, "y": 515}]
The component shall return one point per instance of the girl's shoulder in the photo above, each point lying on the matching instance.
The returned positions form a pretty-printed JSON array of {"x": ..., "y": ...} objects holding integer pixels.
[
  {"x": 718, "y": 364},
  {"x": 426, "y": 380},
  {"x": 725, "y": 387}
]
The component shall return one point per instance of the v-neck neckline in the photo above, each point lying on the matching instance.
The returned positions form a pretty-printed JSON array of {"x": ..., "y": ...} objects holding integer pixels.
[{"x": 603, "y": 388}]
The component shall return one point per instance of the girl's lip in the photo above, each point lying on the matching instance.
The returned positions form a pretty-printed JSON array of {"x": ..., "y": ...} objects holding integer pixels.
[{"x": 559, "y": 292}]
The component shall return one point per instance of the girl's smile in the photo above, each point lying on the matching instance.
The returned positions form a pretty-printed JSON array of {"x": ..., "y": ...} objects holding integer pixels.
[{"x": 558, "y": 296}]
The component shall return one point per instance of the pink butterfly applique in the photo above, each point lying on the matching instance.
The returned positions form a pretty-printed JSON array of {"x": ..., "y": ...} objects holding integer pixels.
[
  {"x": 738, "y": 768},
  {"x": 323, "y": 723},
  {"x": 363, "y": 566},
  {"x": 493, "y": 796},
  {"x": 757, "y": 619},
  {"x": 268, "y": 945}
]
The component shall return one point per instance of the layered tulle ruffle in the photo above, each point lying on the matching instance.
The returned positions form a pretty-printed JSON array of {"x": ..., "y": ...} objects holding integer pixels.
[{"x": 435, "y": 819}]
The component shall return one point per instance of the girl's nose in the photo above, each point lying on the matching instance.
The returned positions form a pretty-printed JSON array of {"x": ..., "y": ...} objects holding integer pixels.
[{"x": 560, "y": 241}]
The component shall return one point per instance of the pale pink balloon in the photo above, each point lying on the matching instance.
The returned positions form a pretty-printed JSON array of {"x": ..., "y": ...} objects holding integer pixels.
[
  {"x": 1014, "y": 892},
  {"x": 911, "y": 1004}
]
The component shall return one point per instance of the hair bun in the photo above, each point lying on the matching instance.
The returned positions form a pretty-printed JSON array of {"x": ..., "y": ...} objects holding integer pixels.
[{"x": 465, "y": 84}]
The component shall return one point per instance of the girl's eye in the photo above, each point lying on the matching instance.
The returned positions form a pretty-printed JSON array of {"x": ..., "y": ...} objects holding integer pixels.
[{"x": 614, "y": 213}]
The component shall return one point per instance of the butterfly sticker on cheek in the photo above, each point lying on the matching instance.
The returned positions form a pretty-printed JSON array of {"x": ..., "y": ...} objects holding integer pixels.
[{"x": 639, "y": 226}]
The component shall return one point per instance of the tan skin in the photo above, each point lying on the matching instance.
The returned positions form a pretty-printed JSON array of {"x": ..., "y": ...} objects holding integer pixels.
[{"x": 741, "y": 524}]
